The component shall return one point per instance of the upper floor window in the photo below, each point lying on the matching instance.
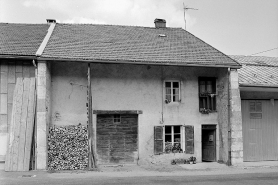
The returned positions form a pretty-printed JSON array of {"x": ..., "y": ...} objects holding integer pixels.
[
  {"x": 255, "y": 109},
  {"x": 207, "y": 94},
  {"x": 172, "y": 91}
]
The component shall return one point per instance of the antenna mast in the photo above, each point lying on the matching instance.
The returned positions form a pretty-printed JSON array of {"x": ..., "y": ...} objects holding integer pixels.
[{"x": 184, "y": 9}]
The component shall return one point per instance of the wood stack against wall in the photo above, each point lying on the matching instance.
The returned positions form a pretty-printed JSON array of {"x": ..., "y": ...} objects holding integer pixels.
[{"x": 68, "y": 147}]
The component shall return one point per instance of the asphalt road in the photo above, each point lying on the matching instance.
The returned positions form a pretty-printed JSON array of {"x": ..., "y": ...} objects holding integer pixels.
[{"x": 232, "y": 179}]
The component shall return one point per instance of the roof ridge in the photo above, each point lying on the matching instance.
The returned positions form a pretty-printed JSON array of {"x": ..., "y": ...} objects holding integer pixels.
[
  {"x": 23, "y": 23},
  {"x": 92, "y": 24}
]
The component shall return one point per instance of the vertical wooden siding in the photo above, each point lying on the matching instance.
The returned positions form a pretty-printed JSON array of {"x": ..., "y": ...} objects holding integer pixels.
[
  {"x": 10, "y": 71},
  {"x": 260, "y": 138}
]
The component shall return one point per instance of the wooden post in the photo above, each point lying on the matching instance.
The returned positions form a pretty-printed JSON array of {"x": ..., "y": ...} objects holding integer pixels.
[{"x": 92, "y": 161}]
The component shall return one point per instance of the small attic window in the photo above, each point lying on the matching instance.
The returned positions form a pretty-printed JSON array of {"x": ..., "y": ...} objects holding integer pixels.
[{"x": 161, "y": 35}]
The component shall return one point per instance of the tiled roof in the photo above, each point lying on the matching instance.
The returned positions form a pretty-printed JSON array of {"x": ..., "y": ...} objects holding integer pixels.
[
  {"x": 132, "y": 44},
  {"x": 21, "y": 39},
  {"x": 258, "y": 70}
]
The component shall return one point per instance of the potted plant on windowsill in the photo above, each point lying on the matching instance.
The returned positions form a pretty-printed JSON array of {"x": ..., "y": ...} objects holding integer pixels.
[{"x": 205, "y": 111}]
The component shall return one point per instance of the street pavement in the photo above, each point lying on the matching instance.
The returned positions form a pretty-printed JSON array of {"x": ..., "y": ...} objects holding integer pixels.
[{"x": 156, "y": 174}]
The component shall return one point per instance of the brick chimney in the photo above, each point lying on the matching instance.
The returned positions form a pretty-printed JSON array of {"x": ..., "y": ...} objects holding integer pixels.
[
  {"x": 160, "y": 23},
  {"x": 49, "y": 21}
]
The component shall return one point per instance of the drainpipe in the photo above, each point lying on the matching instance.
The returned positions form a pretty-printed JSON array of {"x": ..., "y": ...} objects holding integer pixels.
[{"x": 229, "y": 163}]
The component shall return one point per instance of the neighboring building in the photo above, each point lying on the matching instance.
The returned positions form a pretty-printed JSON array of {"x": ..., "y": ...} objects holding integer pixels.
[
  {"x": 18, "y": 46},
  {"x": 258, "y": 82},
  {"x": 152, "y": 88}
]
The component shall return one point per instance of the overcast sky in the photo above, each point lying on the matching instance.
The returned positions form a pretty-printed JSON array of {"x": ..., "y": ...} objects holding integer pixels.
[{"x": 235, "y": 27}]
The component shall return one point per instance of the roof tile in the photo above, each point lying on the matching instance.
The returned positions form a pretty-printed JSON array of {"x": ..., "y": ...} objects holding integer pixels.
[
  {"x": 131, "y": 43},
  {"x": 21, "y": 39}
]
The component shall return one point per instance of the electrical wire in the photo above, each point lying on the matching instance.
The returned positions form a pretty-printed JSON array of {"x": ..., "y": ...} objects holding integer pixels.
[
  {"x": 258, "y": 53},
  {"x": 264, "y": 51}
]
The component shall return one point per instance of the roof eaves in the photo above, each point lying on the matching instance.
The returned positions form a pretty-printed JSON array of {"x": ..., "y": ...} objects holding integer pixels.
[
  {"x": 139, "y": 62},
  {"x": 216, "y": 49}
]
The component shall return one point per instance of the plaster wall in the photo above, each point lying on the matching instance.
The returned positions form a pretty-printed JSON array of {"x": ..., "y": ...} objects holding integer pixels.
[
  {"x": 134, "y": 87},
  {"x": 69, "y": 93}
]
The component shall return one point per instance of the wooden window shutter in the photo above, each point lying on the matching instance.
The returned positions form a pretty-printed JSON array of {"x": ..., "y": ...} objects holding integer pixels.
[
  {"x": 189, "y": 139},
  {"x": 158, "y": 140}
]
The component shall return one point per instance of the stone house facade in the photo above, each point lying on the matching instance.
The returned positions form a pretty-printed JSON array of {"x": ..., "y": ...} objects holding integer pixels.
[{"x": 156, "y": 94}]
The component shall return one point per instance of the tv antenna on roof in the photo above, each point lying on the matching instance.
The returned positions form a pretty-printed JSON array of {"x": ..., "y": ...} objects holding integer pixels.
[{"x": 184, "y": 9}]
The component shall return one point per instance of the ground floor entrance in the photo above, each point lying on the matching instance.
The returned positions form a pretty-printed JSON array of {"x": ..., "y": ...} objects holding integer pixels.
[
  {"x": 260, "y": 128},
  {"x": 209, "y": 143},
  {"x": 117, "y": 138}
]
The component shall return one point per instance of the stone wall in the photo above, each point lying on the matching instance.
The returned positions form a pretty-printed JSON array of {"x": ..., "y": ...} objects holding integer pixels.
[
  {"x": 235, "y": 120},
  {"x": 43, "y": 112},
  {"x": 222, "y": 107}
]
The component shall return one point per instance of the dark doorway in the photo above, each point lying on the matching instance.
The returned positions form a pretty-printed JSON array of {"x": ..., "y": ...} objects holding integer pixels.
[{"x": 208, "y": 143}]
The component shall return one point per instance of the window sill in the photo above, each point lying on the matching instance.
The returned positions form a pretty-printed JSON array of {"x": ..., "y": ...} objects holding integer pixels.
[
  {"x": 211, "y": 111},
  {"x": 173, "y": 103}
]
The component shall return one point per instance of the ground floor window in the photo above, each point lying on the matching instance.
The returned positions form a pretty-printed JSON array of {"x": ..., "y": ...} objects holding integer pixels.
[{"x": 174, "y": 139}]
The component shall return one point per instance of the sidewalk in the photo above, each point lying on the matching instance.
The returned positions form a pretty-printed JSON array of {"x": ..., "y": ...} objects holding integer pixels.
[{"x": 151, "y": 170}]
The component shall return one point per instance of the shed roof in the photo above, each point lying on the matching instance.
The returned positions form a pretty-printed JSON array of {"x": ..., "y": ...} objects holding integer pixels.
[
  {"x": 21, "y": 39},
  {"x": 258, "y": 71},
  {"x": 132, "y": 44}
]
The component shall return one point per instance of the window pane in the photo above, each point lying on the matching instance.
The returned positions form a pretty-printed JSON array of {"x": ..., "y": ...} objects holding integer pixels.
[
  {"x": 168, "y": 138},
  {"x": 177, "y": 138},
  {"x": 168, "y": 84},
  {"x": 252, "y": 107},
  {"x": 168, "y": 97},
  {"x": 177, "y": 129},
  {"x": 168, "y": 91},
  {"x": 202, "y": 86},
  {"x": 258, "y": 106},
  {"x": 168, "y": 130},
  {"x": 209, "y": 86},
  {"x": 176, "y": 85},
  {"x": 176, "y": 91},
  {"x": 175, "y": 98}
]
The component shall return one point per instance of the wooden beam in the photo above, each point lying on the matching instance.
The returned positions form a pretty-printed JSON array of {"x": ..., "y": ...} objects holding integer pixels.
[
  {"x": 117, "y": 111},
  {"x": 92, "y": 159}
]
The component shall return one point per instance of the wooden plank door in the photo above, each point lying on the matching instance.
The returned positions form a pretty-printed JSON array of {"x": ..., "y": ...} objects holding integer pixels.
[
  {"x": 208, "y": 145},
  {"x": 117, "y": 138}
]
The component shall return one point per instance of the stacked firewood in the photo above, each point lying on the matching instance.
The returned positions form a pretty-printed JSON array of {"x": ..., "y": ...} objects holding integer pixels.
[{"x": 68, "y": 147}]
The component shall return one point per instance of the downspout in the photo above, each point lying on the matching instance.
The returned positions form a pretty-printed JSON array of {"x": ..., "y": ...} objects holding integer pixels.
[{"x": 229, "y": 163}]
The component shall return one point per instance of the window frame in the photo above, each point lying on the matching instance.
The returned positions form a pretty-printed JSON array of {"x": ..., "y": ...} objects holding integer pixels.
[
  {"x": 207, "y": 100},
  {"x": 172, "y": 92},
  {"x": 186, "y": 133},
  {"x": 256, "y": 113}
]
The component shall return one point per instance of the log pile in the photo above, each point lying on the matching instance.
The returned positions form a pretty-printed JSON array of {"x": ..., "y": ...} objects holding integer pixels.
[{"x": 68, "y": 147}]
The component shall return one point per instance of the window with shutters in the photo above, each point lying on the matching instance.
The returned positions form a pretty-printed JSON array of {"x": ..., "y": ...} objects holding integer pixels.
[
  {"x": 174, "y": 139},
  {"x": 207, "y": 94},
  {"x": 255, "y": 109},
  {"x": 172, "y": 91}
]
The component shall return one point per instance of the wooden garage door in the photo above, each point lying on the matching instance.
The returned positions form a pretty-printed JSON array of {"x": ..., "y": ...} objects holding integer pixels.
[
  {"x": 117, "y": 138},
  {"x": 260, "y": 128}
]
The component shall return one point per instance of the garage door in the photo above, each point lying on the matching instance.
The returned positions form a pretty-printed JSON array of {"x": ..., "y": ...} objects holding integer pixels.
[
  {"x": 117, "y": 138},
  {"x": 260, "y": 128}
]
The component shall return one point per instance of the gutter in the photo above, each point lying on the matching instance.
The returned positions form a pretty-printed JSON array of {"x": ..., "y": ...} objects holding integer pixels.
[
  {"x": 135, "y": 62},
  {"x": 17, "y": 57},
  {"x": 229, "y": 162},
  {"x": 261, "y": 86}
]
